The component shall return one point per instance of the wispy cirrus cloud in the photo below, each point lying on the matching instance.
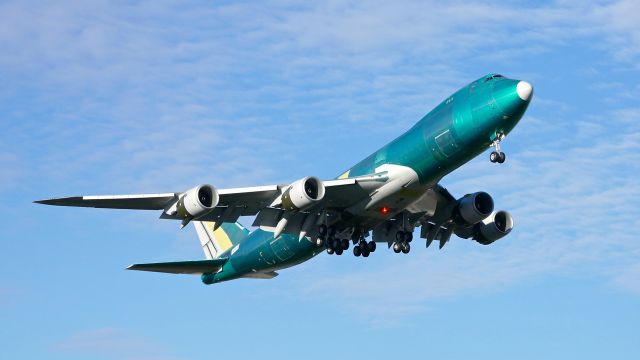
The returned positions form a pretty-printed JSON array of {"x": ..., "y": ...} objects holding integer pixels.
[{"x": 156, "y": 96}]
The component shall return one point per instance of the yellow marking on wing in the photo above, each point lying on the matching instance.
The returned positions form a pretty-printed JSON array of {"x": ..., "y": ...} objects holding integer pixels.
[
  {"x": 221, "y": 238},
  {"x": 345, "y": 174}
]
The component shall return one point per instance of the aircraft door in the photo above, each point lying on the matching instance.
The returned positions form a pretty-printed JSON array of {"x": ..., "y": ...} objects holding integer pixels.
[{"x": 446, "y": 143}]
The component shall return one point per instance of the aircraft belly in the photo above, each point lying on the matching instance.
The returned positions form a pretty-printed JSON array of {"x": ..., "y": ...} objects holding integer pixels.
[
  {"x": 262, "y": 253},
  {"x": 402, "y": 189}
]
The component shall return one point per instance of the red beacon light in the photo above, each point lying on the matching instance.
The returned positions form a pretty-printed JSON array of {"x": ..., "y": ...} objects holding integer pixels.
[{"x": 384, "y": 210}]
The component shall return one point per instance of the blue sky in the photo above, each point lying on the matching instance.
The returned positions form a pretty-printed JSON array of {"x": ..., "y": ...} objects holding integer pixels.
[{"x": 129, "y": 97}]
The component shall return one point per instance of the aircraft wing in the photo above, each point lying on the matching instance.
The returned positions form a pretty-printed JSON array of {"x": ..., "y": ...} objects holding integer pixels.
[
  {"x": 135, "y": 202},
  {"x": 231, "y": 204}
]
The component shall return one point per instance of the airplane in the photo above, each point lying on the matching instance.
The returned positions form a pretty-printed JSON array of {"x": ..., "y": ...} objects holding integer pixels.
[{"x": 385, "y": 196}]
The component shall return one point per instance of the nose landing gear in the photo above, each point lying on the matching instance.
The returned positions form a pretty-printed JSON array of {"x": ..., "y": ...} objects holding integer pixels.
[{"x": 497, "y": 156}]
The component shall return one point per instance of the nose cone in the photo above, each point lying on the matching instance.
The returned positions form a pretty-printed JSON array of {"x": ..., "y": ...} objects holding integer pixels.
[
  {"x": 524, "y": 90},
  {"x": 512, "y": 96}
]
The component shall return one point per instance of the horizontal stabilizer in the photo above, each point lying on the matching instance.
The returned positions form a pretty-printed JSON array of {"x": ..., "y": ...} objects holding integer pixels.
[{"x": 182, "y": 267}]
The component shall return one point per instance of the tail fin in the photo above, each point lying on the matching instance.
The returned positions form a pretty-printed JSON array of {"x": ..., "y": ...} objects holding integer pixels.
[{"x": 216, "y": 241}]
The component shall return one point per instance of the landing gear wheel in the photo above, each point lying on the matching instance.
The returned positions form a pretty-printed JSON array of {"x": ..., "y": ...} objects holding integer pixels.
[
  {"x": 365, "y": 252},
  {"x": 330, "y": 251},
  {"x": 336, "y": 244},
  {"x": 356, "y": 250},
  {"x": 400, "y": 236},
  {"x": 501, "y": 157},
  {"x": 493, "y": 157},
  {"x": 322, "y": 230},
  {"x": 345, "y": 244},
  {"x": 396, "y": 247},
  {"x": 338, "y": 251},
  {"x": 371, "y": 246},
  {"x": 408, "y": 236},
  {"x": 406, "y": 248}
]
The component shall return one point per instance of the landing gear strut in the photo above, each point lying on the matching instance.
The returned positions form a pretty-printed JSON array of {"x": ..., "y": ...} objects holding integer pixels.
[{"x": 497, "y": 156}]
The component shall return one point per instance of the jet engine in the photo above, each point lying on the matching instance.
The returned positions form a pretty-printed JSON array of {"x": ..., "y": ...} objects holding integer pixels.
[
  {"x": 197, "y": 202},
  {"x": 302, "y": 194},
  {"x": 493, "y": 228},
  {"x": 475, "y": 207}
]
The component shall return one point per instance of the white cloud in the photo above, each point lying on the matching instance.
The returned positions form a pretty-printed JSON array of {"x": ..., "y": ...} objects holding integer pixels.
[{"x": 161, "y": 90}]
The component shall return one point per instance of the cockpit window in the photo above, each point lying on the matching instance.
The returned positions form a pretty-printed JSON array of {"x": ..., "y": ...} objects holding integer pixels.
[{"x": 493, "y": 76}]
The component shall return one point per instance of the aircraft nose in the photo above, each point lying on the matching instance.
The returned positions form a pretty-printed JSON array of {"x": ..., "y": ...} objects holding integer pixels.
[
  {"x": 524, "y": 90},
  {"x": 512, "y": 97}
]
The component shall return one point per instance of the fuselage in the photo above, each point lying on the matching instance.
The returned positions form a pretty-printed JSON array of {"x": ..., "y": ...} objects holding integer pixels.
[{"x": 461, "y": 127}]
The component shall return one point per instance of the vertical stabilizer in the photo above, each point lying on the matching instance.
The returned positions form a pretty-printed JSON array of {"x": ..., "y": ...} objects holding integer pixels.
[{"x": 214, "y": 241}]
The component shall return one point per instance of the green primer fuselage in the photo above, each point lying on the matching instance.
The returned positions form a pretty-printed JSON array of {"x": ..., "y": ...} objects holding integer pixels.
[{"x": 457, "y": 130}]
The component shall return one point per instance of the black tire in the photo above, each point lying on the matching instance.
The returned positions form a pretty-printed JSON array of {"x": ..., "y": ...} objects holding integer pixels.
[
  {"x": 356, "y": 250},
  {"x": 338, "y": 251},
  {"x": 365, "y": 252},
  {"x": 322, "y": 230},
  {"x": 400, "y": 236},
  {"x": 493, "y": 157},
  {"x": 502, "y": 157},
  {"x": 336, "y": 244},
  {"x": 371, "y": 246},
  {"x": 408, "y": 236},
  {"x": 330, "y": 251},
  {"x": 345, "y": 244},
  {"x": 406, "y": 248},
  {"x": 329, "y": 242},
  {"x": 397, "y": 248}
]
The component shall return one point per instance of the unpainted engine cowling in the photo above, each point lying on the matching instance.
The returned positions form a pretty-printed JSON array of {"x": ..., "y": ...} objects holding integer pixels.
[
  {"x": 474, "y": 208},
  {"x": 493, "y": 227},
  {"x": 303, "y": 194},
  {"x": 197, "y": 202}
]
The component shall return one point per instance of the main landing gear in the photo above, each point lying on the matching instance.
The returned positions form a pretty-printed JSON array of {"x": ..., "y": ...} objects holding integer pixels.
[
  {"x": 403, "y": 238},
  {"x": 497, "y": 156},
  {"x": 326, "y": 237},
  {"x": 364, "y": 248}
]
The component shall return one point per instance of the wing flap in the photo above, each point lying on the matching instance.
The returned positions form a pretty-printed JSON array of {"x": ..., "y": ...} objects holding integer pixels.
[{"x": 181, "y": 267}]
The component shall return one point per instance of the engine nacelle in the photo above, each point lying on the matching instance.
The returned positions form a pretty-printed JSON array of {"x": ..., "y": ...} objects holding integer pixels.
[
  {"x": 197, "y": 202},
  {"x": 475, "y": 207},
  {"x": 493, "y": 228},
  {"x": 303, "y": 194}
]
